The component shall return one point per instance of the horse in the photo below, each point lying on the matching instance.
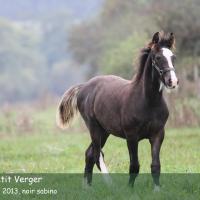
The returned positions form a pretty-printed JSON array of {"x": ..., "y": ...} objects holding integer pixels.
[{"x": 130, "y": 109}]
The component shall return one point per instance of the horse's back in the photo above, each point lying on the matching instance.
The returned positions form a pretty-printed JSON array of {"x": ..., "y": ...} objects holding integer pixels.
[
  {"x": 106, "y": 84},
  {"x": 107, "y": 79},
  {"x": 100, "y": 95}
]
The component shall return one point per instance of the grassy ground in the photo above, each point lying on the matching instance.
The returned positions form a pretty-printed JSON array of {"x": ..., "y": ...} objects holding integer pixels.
[
  {"x": 70, "y": 187},
  {"x": 30, "y": 142}
]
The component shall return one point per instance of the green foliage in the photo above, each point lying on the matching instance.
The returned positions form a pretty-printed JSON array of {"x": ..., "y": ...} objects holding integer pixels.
[
  {"x": 182, "y": 18},
  {"x": 119, "y": 59},
  {"x": 93, "y": 42},
  {"x": 20, "y": 61},
  {"x": 30, "y": 54},
  {"x": 99, "y": 40},
  {"x": 54, "y": 40}
]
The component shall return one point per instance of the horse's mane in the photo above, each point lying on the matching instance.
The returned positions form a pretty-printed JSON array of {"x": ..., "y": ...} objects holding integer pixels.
[{"x": 141, "y": 62}]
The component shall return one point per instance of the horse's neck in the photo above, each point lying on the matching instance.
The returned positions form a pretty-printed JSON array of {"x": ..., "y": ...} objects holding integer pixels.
[{"x": 151, "y": 83}]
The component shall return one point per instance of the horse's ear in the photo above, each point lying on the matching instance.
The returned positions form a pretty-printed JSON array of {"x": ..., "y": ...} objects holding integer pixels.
[
  {"x": 155, "y": 38},
  {"x": 171, "y": 40}
]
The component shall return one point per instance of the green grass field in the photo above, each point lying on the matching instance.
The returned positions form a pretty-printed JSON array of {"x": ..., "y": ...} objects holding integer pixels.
[{"x": 30, "y": 142}]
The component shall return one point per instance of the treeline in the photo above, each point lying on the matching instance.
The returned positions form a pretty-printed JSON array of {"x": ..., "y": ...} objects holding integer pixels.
[
  {"x": 34, "y": 59},
  {"x": 110, "y": 44}
]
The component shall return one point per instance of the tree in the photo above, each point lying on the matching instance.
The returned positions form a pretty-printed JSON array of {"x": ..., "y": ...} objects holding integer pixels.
[
  {"x": 182, "y": 18},
  {"x": 93, "y": 42},
  {"x": 21, "y": 64}
]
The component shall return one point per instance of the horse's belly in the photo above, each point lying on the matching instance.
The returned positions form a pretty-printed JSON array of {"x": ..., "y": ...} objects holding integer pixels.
[
  {"x": 108, "y": 115},
  {"x": 143, "y": 128},
  {"x": 112, "y": 125},
  {"x": 150, "y": 128},
  {"x": 119, "y": 134}
]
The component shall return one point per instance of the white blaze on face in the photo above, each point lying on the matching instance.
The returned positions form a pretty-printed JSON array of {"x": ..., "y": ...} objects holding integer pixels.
[{"x": 168, "y": 55}]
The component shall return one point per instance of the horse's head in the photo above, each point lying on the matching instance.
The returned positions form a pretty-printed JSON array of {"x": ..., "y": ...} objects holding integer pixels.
[{"x": 163, "y": 59}]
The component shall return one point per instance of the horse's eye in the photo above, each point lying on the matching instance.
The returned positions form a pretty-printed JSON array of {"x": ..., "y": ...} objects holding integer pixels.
[{"x": 158, "y": 58}]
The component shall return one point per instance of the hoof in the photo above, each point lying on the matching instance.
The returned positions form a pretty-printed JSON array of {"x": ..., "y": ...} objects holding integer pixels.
[
  {"x": 156, "y": 188},
  {"x": 131, "y": 184},
  {"x": 85, "y": 184}
]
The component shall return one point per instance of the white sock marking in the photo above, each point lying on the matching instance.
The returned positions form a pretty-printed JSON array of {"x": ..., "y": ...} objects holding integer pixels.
[
  {"x": 102, "y": 165},
  {"x": 156, "y": 188}
]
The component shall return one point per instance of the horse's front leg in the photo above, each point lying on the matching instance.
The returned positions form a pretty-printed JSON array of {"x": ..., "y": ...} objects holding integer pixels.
[
  {"x": 156, "y": 142},
  {"x": 132, "y": 144}
]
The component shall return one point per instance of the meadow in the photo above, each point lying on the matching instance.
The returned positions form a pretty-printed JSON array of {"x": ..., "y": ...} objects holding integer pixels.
[{"x": 30, "y": 142}]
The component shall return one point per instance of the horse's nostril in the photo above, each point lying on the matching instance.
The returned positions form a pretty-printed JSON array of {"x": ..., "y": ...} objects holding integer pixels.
[
  {"x": 170, "y": 82},
  {"x": 177, "y": 82}
]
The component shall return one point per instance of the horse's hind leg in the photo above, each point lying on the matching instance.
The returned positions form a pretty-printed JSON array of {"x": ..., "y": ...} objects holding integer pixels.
[
  {"x": 89, "y": 164},
  {"x": 93, "y": 153},
  {"x": 103, "y": 167}
]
